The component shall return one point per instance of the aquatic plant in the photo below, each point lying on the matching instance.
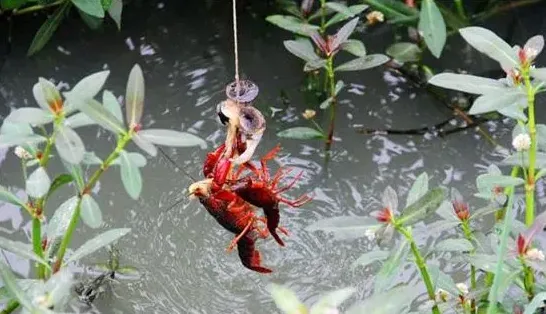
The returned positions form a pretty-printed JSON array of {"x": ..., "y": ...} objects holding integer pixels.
[
  {"x": 92, "y": 13},
  {"x": 320, "y": 57},
  {"x": 26, "y": 129},
  {"x": 506, "y": 267}
]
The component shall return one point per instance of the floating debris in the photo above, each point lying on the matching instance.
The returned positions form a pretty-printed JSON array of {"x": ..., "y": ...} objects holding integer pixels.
[{"x": 130, "y": 44}]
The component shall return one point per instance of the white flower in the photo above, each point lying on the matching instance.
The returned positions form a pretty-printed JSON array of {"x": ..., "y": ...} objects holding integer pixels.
[
  {"x": 442, "y": 295},
  {"x": 463, "y": 288},
  {"x": 370, "y": 234},
  {"x": 535, "y": 254},
  {"x": 522, "y": 142},
  {"x": 22, "y": 153}
]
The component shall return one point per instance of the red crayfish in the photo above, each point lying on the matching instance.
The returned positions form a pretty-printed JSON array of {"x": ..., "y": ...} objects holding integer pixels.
[{"x": 231, "y": 200}]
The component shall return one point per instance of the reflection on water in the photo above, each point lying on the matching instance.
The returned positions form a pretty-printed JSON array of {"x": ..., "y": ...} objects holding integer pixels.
[{"x": 181, "y": 253}]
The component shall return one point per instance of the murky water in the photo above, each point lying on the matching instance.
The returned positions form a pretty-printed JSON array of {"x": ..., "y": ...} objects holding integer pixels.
[{"x": 186, "y": 53}]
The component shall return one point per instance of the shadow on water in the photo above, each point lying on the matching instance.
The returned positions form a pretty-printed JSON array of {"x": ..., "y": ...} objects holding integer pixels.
[{"x": 186, "y": 54}]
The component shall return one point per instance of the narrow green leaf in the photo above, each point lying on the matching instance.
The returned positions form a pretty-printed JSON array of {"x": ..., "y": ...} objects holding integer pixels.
[
  {"x": 424, "y": 206},
  {"x": 88, "y": 87},
  {"x": 468, "y": 83},
  {"x": 536, "y": 303},
  {"x": 46, "y": 94},
  {"x": 394, "y": 10},
  {"x": 12, "y": 4},
  {"x": 355, "y": 47},
  {"x": 21, "y": 249},
  {"x": 111, "y": 104},
  {"x": 91, "y": 213},
  {"x": 91, "y": 21},
  {"x": 115, "y": 10},
  {"x": 14, "y": 128},
  {"x": 58, "y": 224},
  {"x": 340, "y": 7},
  {"x": 11, "y": 284},
  {"x": 8, "y": 140},
  {"x": 130, "y": 175},
  {"x": 38, "y": 183},
  {"x": 433, "y": 27},
  {"x": 143, "y": 144},
  {"x": 91, "y": 7},
  {"x": 7, "y": 196},
  {"x": 172, "y": 138},
  {"x": 497, "y": 101},
  {"x": 405, "y": 52},
  {"x": 344, "y": 32},
  {"x": 99, "y": 114},
  {"x": 76, "y": 172},
  {"x": 58, "y": 182},
  {"x": 134, "y": 96},
  {"x": 339, "y": 17},
  {"x": 364, "y": 63},
  {"x": 392, "y": 267},
  {"x": 332, "y": 300},
  {"x": 370, "y": 258},
  {"x": 301, "y": 133},
  {"x": 442, "y": 280},
  {"x": 138, "y": 160},
  {"x": 47, "y": 29},
  {"x": 454, "y": 245},
  {"x": 78, "y": 120},
  {"x": 302, "y": 49},
  {"x": 486, "y": 182},
  {"x": 314, "y": 65},
  {"x": 286, "y": 300},
  {"x": 389, "y": 302},
  {"x": 291, "y": 24},
  {"x": 98, "y": 242},
  {"x": 488, "y": 43},
  {"x": 418, "y": 189},
  {"x": 30, "y": 115},
  {"x": 69, "y": 145}
]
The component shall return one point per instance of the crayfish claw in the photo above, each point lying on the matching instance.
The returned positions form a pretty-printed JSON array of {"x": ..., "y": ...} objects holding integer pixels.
[{"x": 250, "y": 257}]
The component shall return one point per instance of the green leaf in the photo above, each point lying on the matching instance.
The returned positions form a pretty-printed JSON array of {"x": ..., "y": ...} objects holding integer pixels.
[
  {"x": 76, "y": 172},
  {"x": 98, "y": 242},
  {"x": 58, "y": 182},
  {"x": 111, "y": 104},
  {"x": 326, "y": 103},
  {"x": 522, "y": 159},
  {"x": 339, "y": 17},
  {"x": 425, "y": 205},
  {"x": 46, "y": 94},
  {"x": 418, "y": 189},
  {"x": 454, "y": 245},
  {"x": 99, "y": 114},
  {"x": 134, "y": 96},
  {"x": 78, "y": 120},
  {"x": 91, "y": 7},
  {"x": 433, "y": 27},
  {"x": 442, "y": 281},
  {"x": 115, "y": 10},
  {"x": 10, "y": 282},
  {"x": 370, "y": 258},
  {"x": 302, "y": 49},
  {"x": 536, "y": 303},
  {"x": 138, "y": 160},
  {"x": 21, "y": 249},
  {"x": 405, "y": 52},
  {"x": 344, "y": 32},
  {"x": 301, "y": 133},
  {"x": 286, "y": 300},
  {"x": 340, "y": 7},
  {"x": 291, "y": 24},
  {"x": 91, "y": 21},
  {"x": 468, "y": 83},
  {"x": 484, "y": 211},
  {"x": 143, "y": 144},
  {"x": 88, "y": 87},
  {"x": 486, "y": 182},
  {"x": 394, "y": 10},
  {"x": 7, "y": 196},
  {"x": 13, "y": 128},
  {"x": 355, "y": 47},
  {"x": 497, "y": 101},
  {"x": 392, "y": 267},
  {"x": 332, "y": 300},
  {"x": 90, "y": 213},
  {"x": 172, "y": 138},
  {"x": 30, "y": 115},
  {"x": 130, "y": 175},
  {"x": 69, "y": 144},
  {"x": 364, "y": 63},
  {"x": 486, "y": 262},
  {"x": 38, "y": 183},
  {"x": 8, "y": 140},
  {"x": 58, "y": 224},
  {"x": 539, "y": 74},
  {"x": 47, "y": 29},
  {"x": 348, "y": 227},
  {"x": 12, "y": 4},
  {"x": 390, "y": 302},
  {"x": 59, "y": 288},
  {"x": 314, "y": 65},
  {"x": 488, "y": 43}
]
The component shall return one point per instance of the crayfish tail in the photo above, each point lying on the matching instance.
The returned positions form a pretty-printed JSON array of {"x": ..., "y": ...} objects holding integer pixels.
[{"x": 250, "y": 257}]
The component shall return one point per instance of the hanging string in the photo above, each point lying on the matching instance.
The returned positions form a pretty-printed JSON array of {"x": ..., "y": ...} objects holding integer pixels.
[{"x": 236, "y": 47}]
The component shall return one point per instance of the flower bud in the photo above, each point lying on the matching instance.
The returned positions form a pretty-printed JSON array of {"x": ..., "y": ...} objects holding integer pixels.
[
  {"x": 463, "y": 288},
  {"x": 535, "y": 254},
  {"x": 22, "y": 153},
  {"x": 375, "y": 17},
  {"x": 309, "y": 114},
  {"x": 522, "y": 142}
]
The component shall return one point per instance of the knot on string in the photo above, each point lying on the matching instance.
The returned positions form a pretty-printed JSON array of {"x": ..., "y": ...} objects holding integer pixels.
[{"x": 242, "y": 91}]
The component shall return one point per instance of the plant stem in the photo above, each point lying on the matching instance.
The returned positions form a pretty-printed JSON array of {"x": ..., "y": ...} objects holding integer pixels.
[
  {"x": 493, "y": 293},
  {"x": 122, "y": 142},
  {"x": 468, "y": 235},
  {"x": 37, "y": 245},
  {"x": 37, "y": 7},
  {"x": 420, "y": 262},
  {"x": 499, "y": 215},
  {"x": 460, "y": 8},
  {"x": 530, "y": 184},
  {"x": 505, "y": 7},
  {"x": 322, "y": 17},
  {"x": 330, "y": 71},
  {"x": 528, "y": 279},
  {"x": 10, "y": 307}
]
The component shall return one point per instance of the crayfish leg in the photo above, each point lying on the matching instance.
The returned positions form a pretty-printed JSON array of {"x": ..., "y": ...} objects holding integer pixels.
[{"x": 238, "y": 237}]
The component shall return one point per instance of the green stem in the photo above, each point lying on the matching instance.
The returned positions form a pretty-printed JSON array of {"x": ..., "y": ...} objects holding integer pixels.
[
  {"x": 493, "y": 293},
  {"x": 122, "y": 142},
  {"x": 10, "y": 307},
  {"x": 322, "y": 17},
  {"x": 330, "y": 71},
  {"x": 530, "y": 184},
  {"x": 317, "y": 126},
  {"x": 37, "y": 7},
  {"x": 468, "y": 235},
  {"x": 499, "y": 215},
  {"x": 37, "y": 245},
  {"x": 460, "y": 8},
  {"x": 420, "y": 262}
]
